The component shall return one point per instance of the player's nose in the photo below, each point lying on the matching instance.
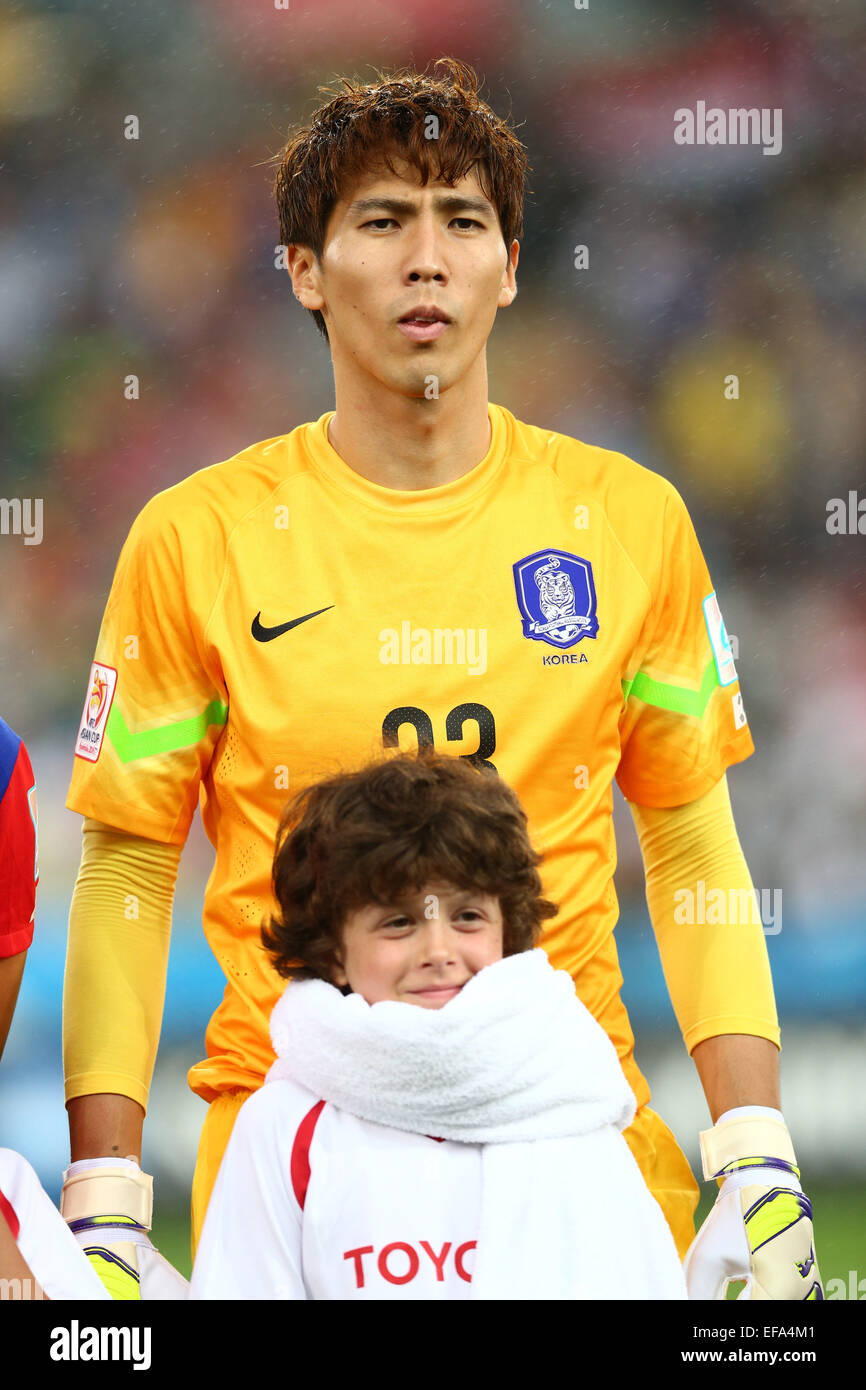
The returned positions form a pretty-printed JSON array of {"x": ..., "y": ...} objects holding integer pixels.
[
  {"x": 437, "y": 941},
  {"x": 425, "y": 258}
]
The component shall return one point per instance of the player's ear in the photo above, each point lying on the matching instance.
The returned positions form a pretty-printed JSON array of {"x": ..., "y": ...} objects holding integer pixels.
[
  {"x": 303, "y": 269},
  {"x": 508, "y": 288},
  {"x": 338, "y": 974}
]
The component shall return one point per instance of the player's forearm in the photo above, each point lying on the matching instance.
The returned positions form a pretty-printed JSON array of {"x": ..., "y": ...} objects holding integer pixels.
[
  {"x": 706, "y": 920},
  {"x": 117, "y": 957},
  {"x": 737, "y": 1069},
  {"x": 11, "y": 970},
  {"x": 105, "y": 1126}
]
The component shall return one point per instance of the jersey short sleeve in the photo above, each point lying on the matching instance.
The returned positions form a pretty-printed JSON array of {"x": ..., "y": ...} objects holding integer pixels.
[
  {"x": 683, "y": 721},
  {"x": 251, "y": 1243},
  {"x": 19, "y": 872},
  {"x": 155, "y": 703}
]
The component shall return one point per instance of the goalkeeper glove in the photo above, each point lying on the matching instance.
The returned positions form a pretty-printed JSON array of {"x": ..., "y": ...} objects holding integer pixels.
[
  {"x": 108, "y": 1205},
  {"x": 760, "y": 1229}
]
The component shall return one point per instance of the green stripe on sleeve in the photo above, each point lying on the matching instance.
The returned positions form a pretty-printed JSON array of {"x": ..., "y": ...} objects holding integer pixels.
[
  {"x": 674, "y": 697},
  {"x": 184, "y": 733}
]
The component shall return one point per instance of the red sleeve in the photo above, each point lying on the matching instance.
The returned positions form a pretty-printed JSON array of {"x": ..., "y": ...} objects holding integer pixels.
[
  {"x": 18, "y": 868},
  {"x": 10, "y": 1215}
]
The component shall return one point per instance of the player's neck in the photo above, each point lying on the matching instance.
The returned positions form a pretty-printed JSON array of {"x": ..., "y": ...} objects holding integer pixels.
[{"x": 407, "y": 442}]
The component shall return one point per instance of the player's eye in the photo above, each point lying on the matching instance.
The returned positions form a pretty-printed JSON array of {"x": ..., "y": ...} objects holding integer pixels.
[
  {"x": 467, "y": 222},
  {"x": 396, "y": 924}
]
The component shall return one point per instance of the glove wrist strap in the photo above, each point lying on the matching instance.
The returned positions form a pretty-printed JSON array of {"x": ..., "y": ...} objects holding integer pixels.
[
  {"x": 108, "y": 1193},
  {"x": 739, "y": 1143}
]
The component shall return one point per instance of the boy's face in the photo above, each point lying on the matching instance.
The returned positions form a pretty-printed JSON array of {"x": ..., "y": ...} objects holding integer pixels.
[
  {"x": 392, "y": 245},
  {"x": 420, "y": 950}
]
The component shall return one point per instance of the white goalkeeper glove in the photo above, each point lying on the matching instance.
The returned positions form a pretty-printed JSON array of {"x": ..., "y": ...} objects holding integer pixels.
[
  {"x": 108, "y": 1205},
  {"x": 760, "y": 1229}
]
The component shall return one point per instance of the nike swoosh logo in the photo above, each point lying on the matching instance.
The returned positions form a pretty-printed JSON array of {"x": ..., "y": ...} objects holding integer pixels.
[{"x": 267, "y": 634}]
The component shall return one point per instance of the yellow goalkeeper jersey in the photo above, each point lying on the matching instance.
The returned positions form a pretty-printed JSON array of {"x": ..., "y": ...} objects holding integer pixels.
[{"x": 277, "y": 617}]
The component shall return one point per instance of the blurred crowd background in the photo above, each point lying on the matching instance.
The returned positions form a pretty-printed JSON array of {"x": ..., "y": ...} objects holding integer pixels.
[{"x": 156, "y": 256}]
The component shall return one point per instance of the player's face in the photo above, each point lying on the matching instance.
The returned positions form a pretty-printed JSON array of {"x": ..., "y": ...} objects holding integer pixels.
[
  {"x": 393, "y": 245},
  {"x": 420, "y": 950}
]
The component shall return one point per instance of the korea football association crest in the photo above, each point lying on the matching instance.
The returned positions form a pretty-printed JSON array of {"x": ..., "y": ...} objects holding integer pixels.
[{"x": 556, "y": 597}]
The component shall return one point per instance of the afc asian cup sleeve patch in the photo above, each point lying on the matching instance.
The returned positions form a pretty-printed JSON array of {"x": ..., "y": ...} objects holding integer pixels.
[
  {"x": 719, "y": 641},
  {"x": 556, "y": 597},
  {"x": 97, "y": 704}
]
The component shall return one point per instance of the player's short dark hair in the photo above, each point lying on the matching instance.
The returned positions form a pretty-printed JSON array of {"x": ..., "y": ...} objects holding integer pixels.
[
  {"x": 395, "y": 825},
  {"x": 369, "y": 124}
]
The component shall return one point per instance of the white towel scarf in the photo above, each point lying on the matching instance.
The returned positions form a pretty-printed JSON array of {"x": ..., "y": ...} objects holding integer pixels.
[{"x": 516, "y": 1063}]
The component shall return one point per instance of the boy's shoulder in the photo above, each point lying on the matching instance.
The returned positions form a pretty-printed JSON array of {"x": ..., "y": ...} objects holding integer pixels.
[{"x": 280, "y": 1106}]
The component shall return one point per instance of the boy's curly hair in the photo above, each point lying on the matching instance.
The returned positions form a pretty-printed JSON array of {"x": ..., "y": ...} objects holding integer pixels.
[
  {"x": 367, "y": 125},
  {"x": 398, "y": 824}
]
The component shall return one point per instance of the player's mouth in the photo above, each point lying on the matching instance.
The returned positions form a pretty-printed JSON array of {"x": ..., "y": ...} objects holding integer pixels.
[
  {"x": 423, "y": 323},
  {"x": 437, "y": 994}
]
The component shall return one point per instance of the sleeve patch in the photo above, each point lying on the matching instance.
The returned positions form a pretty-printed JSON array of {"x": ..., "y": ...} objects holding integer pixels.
[
  {"x": 739, "y": 711},
  {"x": 100, "y": 694},
  {"x": 719, "y": 641}
]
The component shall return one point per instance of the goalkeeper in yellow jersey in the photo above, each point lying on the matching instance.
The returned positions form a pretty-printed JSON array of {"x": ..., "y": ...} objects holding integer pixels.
[{"x": 417, "y": 566}]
